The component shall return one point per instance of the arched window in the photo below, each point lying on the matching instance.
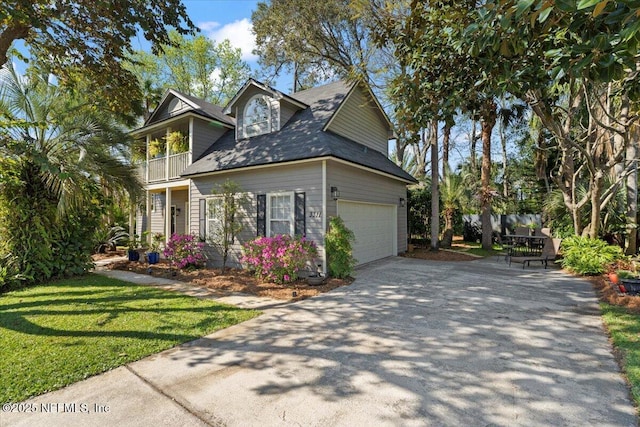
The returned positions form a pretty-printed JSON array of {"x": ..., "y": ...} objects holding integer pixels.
[{"x": 257, "y": 116}]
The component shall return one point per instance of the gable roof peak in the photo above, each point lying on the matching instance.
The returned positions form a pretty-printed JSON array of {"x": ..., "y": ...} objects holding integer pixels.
[
  {"x": 251, "y": 82},
  {"x": 197, "y": 105}
]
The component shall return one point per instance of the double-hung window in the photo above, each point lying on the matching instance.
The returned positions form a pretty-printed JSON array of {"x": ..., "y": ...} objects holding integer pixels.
[{"x": 280, "y": 217}]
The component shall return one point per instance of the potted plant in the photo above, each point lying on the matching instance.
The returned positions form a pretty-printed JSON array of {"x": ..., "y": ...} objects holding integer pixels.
[
  {"x": 156, "y": 148},
  {"x": 316, "y": 278},
  {"x": 132, "y": 252},
  {"x": 177, "y": 142},
  {"x": 153, "y": 256},
  {"x": 629, "y": 280}
]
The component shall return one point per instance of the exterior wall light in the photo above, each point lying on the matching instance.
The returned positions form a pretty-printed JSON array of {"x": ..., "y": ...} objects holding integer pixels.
[
  {"x": 335, "y": 193},
  {"x": 402, "y": 202}
]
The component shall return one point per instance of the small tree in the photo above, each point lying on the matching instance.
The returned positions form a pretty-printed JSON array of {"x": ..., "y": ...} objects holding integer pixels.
[
  {"x": 338, "y": 242},
  {"x": 229, "y": 202}
]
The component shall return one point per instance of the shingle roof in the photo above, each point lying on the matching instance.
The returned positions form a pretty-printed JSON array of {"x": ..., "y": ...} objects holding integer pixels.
[
  {"x": 208, "y": 109},
  {"x": 300, "y": 138}
]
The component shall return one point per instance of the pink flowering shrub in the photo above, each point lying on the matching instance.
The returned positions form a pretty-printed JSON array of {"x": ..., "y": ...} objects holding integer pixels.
[
  {"x": 185, "y": 251},
  {"x": 278, "y": 259}
]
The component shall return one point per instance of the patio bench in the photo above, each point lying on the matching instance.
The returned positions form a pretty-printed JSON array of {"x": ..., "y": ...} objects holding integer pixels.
[{"x": 550, "y": 251}]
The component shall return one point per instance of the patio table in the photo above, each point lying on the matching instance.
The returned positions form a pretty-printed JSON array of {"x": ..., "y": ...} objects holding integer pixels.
[{"x": 525, "y": 245}]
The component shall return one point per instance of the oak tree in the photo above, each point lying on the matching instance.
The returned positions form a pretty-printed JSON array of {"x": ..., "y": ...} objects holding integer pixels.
[{"x": 91, "y": 39}]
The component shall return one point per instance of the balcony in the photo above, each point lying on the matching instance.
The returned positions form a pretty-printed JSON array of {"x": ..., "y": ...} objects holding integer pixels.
[{"x": 167, "y": 167}]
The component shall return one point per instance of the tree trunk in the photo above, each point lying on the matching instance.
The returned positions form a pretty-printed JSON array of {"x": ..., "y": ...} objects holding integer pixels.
[
  {"x": 435, "y": 195},
  {"x": 596, "y": 193},
  {"x": 472, "y": 154},
  {"x": 631, "y": 243},
  {"x": 488, "y": 121},
  {"x": 420, "y": 153},
  {"x": 446, "y": 138},
  {"x": 505, "y": 175}
]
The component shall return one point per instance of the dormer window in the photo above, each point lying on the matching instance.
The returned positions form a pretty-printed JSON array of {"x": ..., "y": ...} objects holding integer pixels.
[{"x": 257, "y": 116}]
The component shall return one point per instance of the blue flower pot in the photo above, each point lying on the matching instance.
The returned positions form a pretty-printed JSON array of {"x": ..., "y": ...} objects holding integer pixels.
[
  {"x": 133, "y": 255},
  {"x": 153, "y": 257}
]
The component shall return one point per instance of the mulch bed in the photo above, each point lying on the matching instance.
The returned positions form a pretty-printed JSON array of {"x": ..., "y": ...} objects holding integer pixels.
[
  {"x": 237, "y": 280},
  {"x": 608, "y": 293},
  {"x": 233, "y": 280}
]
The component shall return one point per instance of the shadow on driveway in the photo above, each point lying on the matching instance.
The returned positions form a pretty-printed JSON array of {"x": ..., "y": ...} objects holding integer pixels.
[
  {"x": 410, "y": 343},
  {"x": 414, "y": 342}
]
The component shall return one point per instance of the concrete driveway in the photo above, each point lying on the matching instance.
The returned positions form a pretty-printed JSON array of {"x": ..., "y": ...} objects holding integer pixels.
[{"x": 410, "y": 343}]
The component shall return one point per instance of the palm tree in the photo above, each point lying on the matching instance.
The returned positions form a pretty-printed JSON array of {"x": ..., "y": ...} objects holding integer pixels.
[
  {"x": 408, "y": 163},
  {"x": 454, "y": 189},
  {"x": 509, "y": 114},
  {"x": 60, "y": 155},
  {"x": 64, "y": 139}
]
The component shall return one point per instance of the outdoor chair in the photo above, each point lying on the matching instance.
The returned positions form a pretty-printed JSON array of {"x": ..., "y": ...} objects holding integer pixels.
[
  {"x": 544, "y": 231},
  {"x": 507, "y": 248},
  {"x": 550, "y": 251}
]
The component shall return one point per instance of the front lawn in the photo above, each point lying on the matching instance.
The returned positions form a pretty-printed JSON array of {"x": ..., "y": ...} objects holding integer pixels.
[
  {"x": 55, "y": 334},
  {"x": 624, "y": 328}
]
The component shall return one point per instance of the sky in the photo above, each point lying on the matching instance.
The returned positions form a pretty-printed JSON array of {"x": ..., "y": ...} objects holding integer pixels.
[
  {"x": 226, "y": 19},
  {"x": 218, "y": 20}
]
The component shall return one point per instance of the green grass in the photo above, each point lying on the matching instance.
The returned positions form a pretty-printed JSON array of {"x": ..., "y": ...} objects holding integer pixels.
[
  {"x": 624, "y": 328},
  {"x": 475, "y": 248},
  {"x": 58, "y": 333}
]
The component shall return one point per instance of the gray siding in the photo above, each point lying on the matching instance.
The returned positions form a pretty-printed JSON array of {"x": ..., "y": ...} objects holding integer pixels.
[
  {"x": 362, "y": 186},
  {"x": 172, "y": 107},
  {"x": 205, "y": 133},
  {"x": 286, "y": 112},
  {"x": 360, "y": 120},
  {"x": 178, "y": 198},
  {"x": 305, "y": 178}
]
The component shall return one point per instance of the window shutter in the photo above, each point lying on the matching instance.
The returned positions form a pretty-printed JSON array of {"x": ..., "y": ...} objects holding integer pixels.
[
  {"x": 300, "y": 215},
  {"x": 202, "y": 220},
  {"x": 262, "y": 215}
]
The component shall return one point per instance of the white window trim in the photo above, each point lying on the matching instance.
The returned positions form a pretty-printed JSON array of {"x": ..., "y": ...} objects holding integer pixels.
[
  {"x": 291, "y": 195},
  {"x": 245, "y": 125}
]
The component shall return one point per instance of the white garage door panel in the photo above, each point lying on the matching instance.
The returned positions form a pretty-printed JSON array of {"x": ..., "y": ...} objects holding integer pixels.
[{"x": 374, "y": 227}]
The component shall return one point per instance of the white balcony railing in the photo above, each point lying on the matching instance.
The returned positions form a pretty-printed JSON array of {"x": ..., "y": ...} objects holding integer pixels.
[
  {"x": 166, "y": 168},
  {"x": 177, "y": 164},
  {"x": 157, "y": 169}
]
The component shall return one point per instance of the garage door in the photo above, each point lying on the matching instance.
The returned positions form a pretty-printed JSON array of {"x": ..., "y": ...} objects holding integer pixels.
[{"x": 374, "y": 227}]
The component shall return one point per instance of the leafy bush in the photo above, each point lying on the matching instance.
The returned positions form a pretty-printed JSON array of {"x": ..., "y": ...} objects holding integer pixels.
[
  {"x": 278, "y": 259},
  {"x": 588, "y": 256},
  {"x": 185, "y": 251},
  {"x": 472, "y": 232},
  {"x": 338, "y": 243},
  {"x": 37, "y": 244},
  {"x": 107, "y": 238}
]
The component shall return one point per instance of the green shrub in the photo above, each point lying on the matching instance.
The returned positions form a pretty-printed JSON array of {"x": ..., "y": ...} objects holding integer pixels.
[
  {"x": 587, "y": 256},
  {"x": 37, "y": 244},
  {"x": 338, "y": 243}
]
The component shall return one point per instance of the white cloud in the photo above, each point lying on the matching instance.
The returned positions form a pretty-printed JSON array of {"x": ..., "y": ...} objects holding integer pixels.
[
  {"x": 208, "y": 26},
  {"x": 238, "y": 32}
]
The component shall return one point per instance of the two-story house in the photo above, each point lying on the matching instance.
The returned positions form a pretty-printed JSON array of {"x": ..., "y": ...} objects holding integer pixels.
[{"x": 300, "y": 159}]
